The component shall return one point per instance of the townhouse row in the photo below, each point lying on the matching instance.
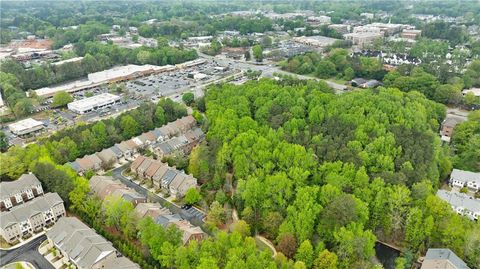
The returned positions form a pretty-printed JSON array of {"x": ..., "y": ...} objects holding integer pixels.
[
  {"x": 26, "y": 209},
  {"x": 104, "y": 186},
  {"x": 465, "y": 179},
  {"x": 180, "y": 135},
  {"x": 163, "y": 177},
  {"x": 17, "y": 192},
  {"x": 81, "y": 247}
]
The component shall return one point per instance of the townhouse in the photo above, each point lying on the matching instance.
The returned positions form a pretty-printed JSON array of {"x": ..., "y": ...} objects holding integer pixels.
[
  {"x": 461, "y": 178},
  {"x": 189, "y": 232},
  {"x": 82, "y": 247},
  {"x": 19, "y": 191},
  {"x": 180, "y": 135},
  {"x": 31, "y": 217},
  {"x": 162, "y": 176},
  {"x": 104, "y": 186},
  {"x": 461, "y": 203},
  {"x": 437, "y": 258}
]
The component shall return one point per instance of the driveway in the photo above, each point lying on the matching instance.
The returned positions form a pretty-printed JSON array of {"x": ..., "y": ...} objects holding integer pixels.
[
  {"x": 193, "y": 215},
  {"x": 28, "y": 253}
]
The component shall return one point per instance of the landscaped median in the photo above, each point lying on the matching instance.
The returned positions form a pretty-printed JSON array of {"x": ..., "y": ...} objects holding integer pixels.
[
  {"x": 18, "y": 265},
  {"x": 53, "y": 255}
]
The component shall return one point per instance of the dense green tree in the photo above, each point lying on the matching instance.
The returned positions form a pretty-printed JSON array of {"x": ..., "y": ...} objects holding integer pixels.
[
  {"x": 188, "y": 98},
  {"x": 257, "y": 53}
]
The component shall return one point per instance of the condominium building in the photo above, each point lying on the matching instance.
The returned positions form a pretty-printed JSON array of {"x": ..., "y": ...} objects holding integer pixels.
[
  {"x": 16, "y": 192},
  {"x": 23, "y": 220}
]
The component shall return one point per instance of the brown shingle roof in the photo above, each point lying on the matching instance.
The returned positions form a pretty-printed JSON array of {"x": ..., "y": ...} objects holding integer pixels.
[{"x": 138, "y": 161}]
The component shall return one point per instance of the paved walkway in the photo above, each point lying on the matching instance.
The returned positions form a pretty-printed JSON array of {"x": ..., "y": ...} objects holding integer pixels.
[{"x": 26, "y": 253}]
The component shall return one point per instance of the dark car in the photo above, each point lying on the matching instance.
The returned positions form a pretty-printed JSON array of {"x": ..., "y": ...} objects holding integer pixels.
[{"x": 186, "y": 207}]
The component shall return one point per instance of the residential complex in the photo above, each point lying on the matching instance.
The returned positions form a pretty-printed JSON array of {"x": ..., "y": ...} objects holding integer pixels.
[
  {"x": 461, "y": 203},
  {"x": 81, "y": 247},
  {"x": 104, "y": 186},
  {"x": 461, "y": 179},
  {"x": 442, "y": 258},
  {"x": 19, "y": 191},
  {"x": 26, "y": 219},
  {"x": 179, "y": 135},
  {"x": 173, "y": 181}
]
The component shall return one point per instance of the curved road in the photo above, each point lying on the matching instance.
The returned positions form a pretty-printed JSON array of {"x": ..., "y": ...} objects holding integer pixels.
[{"x": 28, "y": 253}]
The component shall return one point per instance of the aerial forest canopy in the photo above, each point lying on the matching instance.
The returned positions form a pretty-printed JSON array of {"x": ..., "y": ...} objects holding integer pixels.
[{"x": 334, "y": 171}]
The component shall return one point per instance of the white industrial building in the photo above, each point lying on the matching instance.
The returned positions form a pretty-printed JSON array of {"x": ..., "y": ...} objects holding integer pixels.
[
  {"x": 26, "y": 126},
  {"x": 93, "y": 103}
]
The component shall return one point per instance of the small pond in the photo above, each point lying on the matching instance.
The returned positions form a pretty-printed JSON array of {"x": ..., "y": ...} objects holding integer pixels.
[{"x": 386, "y": 255}]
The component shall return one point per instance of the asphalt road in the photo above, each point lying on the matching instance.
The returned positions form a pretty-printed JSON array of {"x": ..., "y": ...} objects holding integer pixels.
[
  {"x": 193, "y": 215},
  {"x": 28, "y": 253}
]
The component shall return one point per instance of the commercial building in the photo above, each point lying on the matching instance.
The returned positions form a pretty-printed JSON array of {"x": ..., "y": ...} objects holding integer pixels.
[
  {"x": 378, "y": 27},
  {"x": 72, "y": 60},
  {"x": 23, "y": 220},
  {"x": 83, "y": 248},
  {"x": 119, "y": 73},
  {"x": 461, "y": 203},
  {"x": 317, "y": 20},
  {"x": 340, "y": 28},
  {"x": 13, "y": 193},
  {"x": 93, "y": 103},
  {"x": 411, "y": 34},
  {"x": 315, "y": 41},
  {"x": 26, "y": 126},
  {"x": 442, "y": 258},
  {"x": 362, "y": 39}
]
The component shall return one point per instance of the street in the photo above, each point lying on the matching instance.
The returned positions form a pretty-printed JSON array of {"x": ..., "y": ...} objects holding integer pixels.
[
  {"x": 193, "y": 215},
  {"x": 28, "y": 253}
]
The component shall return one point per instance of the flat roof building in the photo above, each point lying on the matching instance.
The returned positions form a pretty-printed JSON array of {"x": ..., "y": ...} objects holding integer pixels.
[
  {"x": 315, "y": 41},
  {"x": 461, "y": 203},
  {"x": 93, "y": 103},
  {"x": 26, "y": 126},
  {"x": 362, "y": 39}
]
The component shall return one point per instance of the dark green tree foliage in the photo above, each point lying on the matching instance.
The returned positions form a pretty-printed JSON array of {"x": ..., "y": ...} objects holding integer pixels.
[
  {"x": 335, "y": 168},
  {"x": 68, "y": 144},
  {"x": 466, "y": 142},
  {"x": 97, "y": 57}
]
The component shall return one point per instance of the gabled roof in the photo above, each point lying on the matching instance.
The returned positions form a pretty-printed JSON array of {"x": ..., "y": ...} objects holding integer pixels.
[
  {"x": 151, "y": 209},
  {"x": 138, "y": 161},
  {"x": 152, "y": 169},
  {"x": 27, "y": 210},
  {"x": 89, "y": 162},
  {"x": 24, "y": 182},
  {"x": 144, "y": 166},
  {"x": 460, "y": 200},
  {"x": 465, "y": 176},
  {"x": 158, "y": 133},
  {"x": 165, "y": 220},
  {"x": 82, "y": 245},
  {"x": 75, "y": 166},
  {"x": 164, "y": 147},
  {"x": 120, "y": 263},
  {"x": 160, "y": 172},
  {"x": 442, "y": 258},
  {"x": 107, "y": 155},
  {"x": 116, "y": 150}
]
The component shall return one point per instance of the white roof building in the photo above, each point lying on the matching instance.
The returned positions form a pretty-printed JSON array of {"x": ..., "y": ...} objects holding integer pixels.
[
  {"x": 25, "y": 126},
  {"x": 316, "y": 41},
  {"x": 461, "y": 178},
  {"x": 475, "y": 91},
  {"x": 93, "y": 103},
  {"x": 72, "y": 60}
]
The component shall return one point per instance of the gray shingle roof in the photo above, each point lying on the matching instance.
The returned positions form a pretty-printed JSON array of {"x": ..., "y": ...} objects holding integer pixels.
[
  {"x": 460, "y": 200},
  {"x": 25, "y": 211},
  {"x": 83, "y": 246},
  {"x": 120, "y": 263},
  {"x": 465, "y": 176},
  {"x": 9, "y": 188},
  {"x": 442, "y": 258}
]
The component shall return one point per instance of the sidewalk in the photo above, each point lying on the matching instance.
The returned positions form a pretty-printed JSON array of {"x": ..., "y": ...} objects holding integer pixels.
[{"x": 23, "y": 242}]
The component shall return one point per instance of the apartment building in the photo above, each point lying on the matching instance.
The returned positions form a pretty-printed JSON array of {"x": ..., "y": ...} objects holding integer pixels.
[
  {"x": 17, "y": 192},
  {"x": 31, "y": 217}
]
